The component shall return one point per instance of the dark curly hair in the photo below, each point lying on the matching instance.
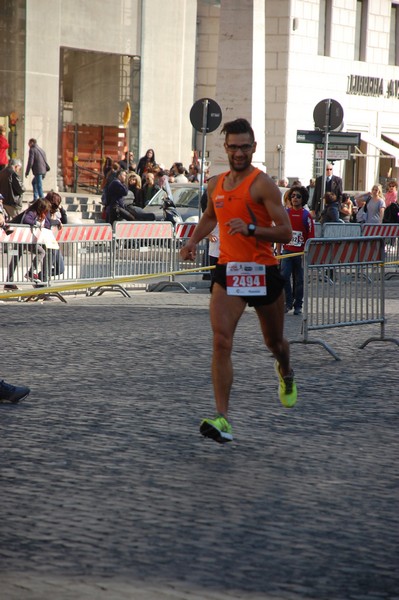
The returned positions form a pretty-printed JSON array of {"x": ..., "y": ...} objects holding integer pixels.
[
  {"x": 301, "y": 190},
  {"x": 238, "y": 126}
]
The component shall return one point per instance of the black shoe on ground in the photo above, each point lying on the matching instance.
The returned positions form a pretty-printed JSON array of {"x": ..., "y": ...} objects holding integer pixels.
[
  {"x": 10, "y": 287},
  {"x": 297, "y": 311},
  {"x": 12, "y": 393}
]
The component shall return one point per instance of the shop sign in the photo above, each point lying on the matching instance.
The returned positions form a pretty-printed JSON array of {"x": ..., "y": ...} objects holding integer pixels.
[
  {"x": 360, "y": 85},
  {"x": 332, "y": 154}
]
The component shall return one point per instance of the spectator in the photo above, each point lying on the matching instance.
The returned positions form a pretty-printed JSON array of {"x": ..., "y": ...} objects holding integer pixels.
[
  {"x": 178, "y": 172},
  {"x": 346, "y": 209},
  {"x": 116, "y": 193},
  {"x": 107, "y": 167},
  {"x": 128, "y": 163},
  {"x": 134, "y": 186},
  {"x": 310, "y": 188},
  {"x": 37, "y": 215},
  {"x": 11, "y": 187},
  {"x": 333, "y": 184},
  {"x": 213, "y": 252},
  {"x": 162, "y": 181},
  {"x": 373, "y": 211},
  {"x": 3, "y": 214},
  {"x": 330, "y": 213},
  {"x": 181, "y": 174},
  {"x": 111, "y": 175},
  {"x": 58, "y": 215},
  {"x": 283, "y": 182},
  {"x": 146, "y": 162},
  {"x": 149, "y": 188},
  {"x": 391, "y": 213},
  {"x": 292, "y": 267},
  {"x": 193, "y": 174},
  {"x": 37, "y": 162},
  {"x": 392, "y": 193},
  {"x": 58, "y": 218},
  {"x": 287, "y": 199},
  {"x": 358, "y": 210},
  {"x": 4, "y": 145}
]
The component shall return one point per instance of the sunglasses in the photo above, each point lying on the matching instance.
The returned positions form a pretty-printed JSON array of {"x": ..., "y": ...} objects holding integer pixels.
[
  {"x": 235, "y": 147},
  {"x": 295, "y": 195}
]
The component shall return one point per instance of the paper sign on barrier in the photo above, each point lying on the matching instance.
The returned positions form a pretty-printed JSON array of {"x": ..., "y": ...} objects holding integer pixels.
[{"x": 45, "y": 237}]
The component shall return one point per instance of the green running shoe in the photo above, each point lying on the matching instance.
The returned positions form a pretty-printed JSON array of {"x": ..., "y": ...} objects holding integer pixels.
[
  {"x": 287, "y": 388},
  {"x": 218, "y": 429}
]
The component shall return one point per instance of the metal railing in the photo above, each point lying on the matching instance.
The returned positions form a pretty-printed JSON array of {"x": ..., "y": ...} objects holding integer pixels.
[
  {"x": 351, "y": 294},
  {"x": 88, "y": 179}
]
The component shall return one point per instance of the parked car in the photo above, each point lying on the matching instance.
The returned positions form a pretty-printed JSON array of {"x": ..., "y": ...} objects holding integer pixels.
[{"x": 185, "y": 197}]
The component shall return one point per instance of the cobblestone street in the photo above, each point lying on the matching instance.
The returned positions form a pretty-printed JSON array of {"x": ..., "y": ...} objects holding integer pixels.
[{"x": 109, "y": 492}]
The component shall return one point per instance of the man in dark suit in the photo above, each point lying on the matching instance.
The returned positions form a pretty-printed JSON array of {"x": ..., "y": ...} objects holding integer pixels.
[{"x": 333, "y": 185}]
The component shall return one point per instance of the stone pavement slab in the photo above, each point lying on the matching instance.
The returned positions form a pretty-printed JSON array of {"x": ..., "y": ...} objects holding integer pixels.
[{"x": 108, "y": 490}]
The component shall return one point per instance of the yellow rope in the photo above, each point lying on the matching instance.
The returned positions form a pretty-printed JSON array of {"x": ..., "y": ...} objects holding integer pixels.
[{"x": 69, "y": 287}]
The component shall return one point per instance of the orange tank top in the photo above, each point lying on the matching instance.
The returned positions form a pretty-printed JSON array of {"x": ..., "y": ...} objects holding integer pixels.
[{"x": 238, "y": 203}]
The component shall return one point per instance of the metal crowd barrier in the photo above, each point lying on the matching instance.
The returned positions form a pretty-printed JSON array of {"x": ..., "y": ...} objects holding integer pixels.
[
  {"x": 87, "y": 251},
  {"x": 341, "y": 230},
  {"x": 143, "y": 248},
  {"x": 75, "y": 253},
  {"x": 318, "y": 230},
  {"x": 23, "y": 256},
  {"x": 182, "y": 233},
  {"x": 95, "y": 253},
  {"x": 390, "y": 233},
  {"x": 355, "y": 268}
]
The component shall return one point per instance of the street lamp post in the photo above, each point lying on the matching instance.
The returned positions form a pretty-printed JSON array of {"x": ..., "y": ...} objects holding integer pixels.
[{"x": 280, "y": 161}]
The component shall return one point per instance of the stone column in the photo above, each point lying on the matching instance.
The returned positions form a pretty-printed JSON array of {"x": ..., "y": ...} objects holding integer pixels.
[{"x": 240, "y": 88}]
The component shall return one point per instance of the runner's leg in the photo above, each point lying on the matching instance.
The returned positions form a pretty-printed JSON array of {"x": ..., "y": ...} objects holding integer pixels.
[
  {"x": 271, "y": 318},
  {"x": 225, "y": 312}
]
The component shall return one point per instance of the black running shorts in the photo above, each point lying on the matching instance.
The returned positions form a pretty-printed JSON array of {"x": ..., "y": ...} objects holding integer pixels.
[{"x": 274, "y": 285}]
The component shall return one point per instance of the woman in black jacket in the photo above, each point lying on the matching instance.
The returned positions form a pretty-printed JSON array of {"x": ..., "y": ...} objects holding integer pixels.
[{"x": 146, "y": 162}]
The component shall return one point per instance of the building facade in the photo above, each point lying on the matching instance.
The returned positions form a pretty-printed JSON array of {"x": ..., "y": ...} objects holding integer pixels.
[
  {"x": 277, "y": 60},
  {"x": 78, "y": 62},
  {"x": 102, "y": 77}
]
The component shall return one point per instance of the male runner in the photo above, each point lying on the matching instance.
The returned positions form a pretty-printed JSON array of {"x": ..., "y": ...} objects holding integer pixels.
[{"x": 246, "y": 203}]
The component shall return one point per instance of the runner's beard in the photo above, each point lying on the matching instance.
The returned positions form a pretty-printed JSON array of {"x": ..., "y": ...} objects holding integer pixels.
[{"x": 241, "y": 165}]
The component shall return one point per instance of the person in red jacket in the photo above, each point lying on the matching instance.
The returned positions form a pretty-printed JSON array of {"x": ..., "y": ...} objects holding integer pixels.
[
  {"x": 292, "y": 267},
  {"x": 4, "y": 145}
]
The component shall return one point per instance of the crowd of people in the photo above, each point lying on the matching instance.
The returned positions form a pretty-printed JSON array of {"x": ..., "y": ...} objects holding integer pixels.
[
  {"x": 335, "y": 206},
  {"x": 129, "y": 186}
]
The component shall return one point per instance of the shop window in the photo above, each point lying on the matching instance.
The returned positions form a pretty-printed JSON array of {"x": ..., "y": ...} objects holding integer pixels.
[{"x": 361, "y": 30}]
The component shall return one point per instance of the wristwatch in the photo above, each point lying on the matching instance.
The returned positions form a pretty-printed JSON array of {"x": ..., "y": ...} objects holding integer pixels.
[{"x": 251, "y": 228}]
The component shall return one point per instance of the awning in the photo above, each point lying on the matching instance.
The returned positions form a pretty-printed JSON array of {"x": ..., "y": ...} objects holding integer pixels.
[
  {"x": 382, "y": 145},
  {"x": 391, "y": 138}
]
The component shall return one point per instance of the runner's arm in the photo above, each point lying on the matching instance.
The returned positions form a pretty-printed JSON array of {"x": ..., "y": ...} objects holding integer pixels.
[
  {"x": 205, "y": 226},
  {"x": 266, "y": 191}
]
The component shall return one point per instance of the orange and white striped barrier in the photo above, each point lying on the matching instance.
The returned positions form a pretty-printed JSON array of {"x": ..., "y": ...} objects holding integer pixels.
[
  {"x": 380, "y": 229},
  {"x": 184, "y": 230},
  {"x": 143, "y": 230},
  {"x": 344, "y": 251},
  {"x": 84, "y": 233}
]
